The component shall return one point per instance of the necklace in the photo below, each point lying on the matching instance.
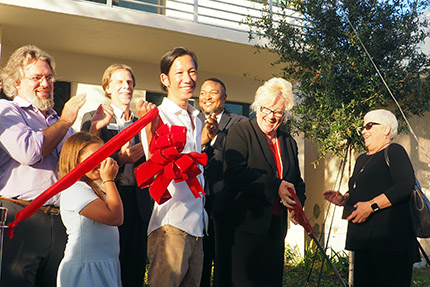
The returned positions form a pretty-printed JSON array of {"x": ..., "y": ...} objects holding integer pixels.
[{"x": 369, "y": 157}]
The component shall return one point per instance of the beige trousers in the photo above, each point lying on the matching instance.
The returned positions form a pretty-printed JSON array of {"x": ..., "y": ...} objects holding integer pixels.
[{"x": 175, "y": 258}]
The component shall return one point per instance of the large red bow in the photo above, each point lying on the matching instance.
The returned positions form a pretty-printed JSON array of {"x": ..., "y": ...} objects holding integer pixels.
[{"x": 167, "y": 164}]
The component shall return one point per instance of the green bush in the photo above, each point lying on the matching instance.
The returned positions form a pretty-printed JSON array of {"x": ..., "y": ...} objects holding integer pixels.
[{"x": 305, "y": 270}]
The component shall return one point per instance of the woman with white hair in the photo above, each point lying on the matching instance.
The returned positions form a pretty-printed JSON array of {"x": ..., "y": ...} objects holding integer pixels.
[
  {"x": 260, "y": 167},
  {"x": 376, "y": 207}
]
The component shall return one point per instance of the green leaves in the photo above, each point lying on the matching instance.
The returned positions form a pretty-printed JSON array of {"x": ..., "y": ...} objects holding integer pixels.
[{"x": 335, "y": 80}]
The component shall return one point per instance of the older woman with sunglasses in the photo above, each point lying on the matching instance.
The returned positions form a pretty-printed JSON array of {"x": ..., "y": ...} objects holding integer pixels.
[
  {"x": 261, "y": 170},
  {"x": 376, "y": 207}
]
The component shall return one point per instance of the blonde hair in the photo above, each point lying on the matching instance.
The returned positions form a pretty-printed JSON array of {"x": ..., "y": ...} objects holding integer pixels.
[
  {"x": 386, "y": 118},
  {"x": 72, "y": 150},
  {"x": 273, "y": 89},
  {"x": 107, "y": 75},
  {"x": 14, "y": 69}
]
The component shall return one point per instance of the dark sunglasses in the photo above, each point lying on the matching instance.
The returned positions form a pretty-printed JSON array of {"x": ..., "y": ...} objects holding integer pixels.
[{"x": 369, "y": 125}]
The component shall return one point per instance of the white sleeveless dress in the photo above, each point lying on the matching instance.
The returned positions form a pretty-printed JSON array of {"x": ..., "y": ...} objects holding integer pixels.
[{"x": 92, "y": 249}]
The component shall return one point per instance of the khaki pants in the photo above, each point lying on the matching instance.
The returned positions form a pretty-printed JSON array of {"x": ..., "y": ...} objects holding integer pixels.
[{"x": 175, "y": 258}]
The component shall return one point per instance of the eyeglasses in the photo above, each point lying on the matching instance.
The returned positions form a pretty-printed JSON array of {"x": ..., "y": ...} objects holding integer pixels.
[
  {"x": 276, "y": 114},
  {"x": 369, "y": 125},
  {"x": 39, "y": 78}
]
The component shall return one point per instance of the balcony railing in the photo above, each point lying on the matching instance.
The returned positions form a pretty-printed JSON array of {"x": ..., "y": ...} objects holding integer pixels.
[{"x": 216, "y": 13}]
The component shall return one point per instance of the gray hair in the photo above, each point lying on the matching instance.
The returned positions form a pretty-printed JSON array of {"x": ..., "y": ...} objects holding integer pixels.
[
  {"x": 271, "y": 90},
  {"x": 14, "y": 69},
  {"x": 386, "y": 118}
]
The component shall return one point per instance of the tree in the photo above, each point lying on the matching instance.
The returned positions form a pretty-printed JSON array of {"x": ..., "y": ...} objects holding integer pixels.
[{"x": 336, "y": 81}]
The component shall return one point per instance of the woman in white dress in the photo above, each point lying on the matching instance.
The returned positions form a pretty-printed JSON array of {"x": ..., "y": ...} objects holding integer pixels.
[{"x": 91, "y": 214}]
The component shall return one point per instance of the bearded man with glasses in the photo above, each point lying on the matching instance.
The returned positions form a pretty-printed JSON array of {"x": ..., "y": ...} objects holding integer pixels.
[{"x": 32, "y": 135}]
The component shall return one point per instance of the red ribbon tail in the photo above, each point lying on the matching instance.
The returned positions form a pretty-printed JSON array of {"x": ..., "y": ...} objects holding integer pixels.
[
  {"x": 158, "y": 189},
  {"x": 165, "y": 196},
  {"x": 145, "y": 172},
  {"x": 195, "y": 187},
  {"x": 300, "y": 214},
  {"x": 11, "y": 229}
]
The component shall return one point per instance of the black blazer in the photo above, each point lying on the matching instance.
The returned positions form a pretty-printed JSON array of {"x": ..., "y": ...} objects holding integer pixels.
[
  {"x": 250, "y": 176},
  {"x": 144, "y": 200},
  {"x": 213, "y": 170}
]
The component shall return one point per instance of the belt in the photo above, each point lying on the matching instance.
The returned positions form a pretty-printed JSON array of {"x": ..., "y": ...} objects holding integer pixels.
[{"x": 48, "y": 209}]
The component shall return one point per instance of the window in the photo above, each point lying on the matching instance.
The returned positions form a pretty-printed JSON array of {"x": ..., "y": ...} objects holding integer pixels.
[
  {"x": 237, "y": 108},
  {"x": 145, "y": 6},
  {"x": 155, "y": 98},
  {"x": 61, "y": 95}
]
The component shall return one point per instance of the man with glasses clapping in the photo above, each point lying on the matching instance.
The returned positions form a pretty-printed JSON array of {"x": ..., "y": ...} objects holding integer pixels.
[{"x": 32, "y": 135}]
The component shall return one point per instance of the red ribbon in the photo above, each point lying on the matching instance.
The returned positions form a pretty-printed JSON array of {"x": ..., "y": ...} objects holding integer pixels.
[
  {"x": 167, "y": 164},
  {"x": 300, "y": 215},
  {"x": 87, "y": 165}
]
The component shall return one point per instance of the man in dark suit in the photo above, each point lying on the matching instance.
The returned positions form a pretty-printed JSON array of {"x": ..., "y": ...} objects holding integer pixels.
[
  {"x": 108, "y": 120},
  {"x": 217, "y": 122}
]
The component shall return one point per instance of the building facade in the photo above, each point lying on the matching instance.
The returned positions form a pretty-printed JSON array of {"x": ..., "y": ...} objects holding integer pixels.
[{"x": 86, "y": 36}]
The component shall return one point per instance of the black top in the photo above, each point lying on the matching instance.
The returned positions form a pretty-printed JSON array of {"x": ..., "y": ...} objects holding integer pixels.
[
  {"x": 251, "y": 176},
  {"x": 214, "y": 175},
  {"x": 388, "y": 228}
]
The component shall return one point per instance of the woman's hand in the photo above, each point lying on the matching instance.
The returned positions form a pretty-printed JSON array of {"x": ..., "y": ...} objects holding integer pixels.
[
  {"x": 284, "y": 194},
  {"x": 334, "y": 197},
  {"x": 361, "y": 212},
  {"x": 108, "y": 169},
  {"x": 292, "y": 216}
]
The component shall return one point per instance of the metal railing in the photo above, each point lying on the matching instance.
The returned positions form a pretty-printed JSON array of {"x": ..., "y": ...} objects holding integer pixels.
[
  {"x": 3, "y": 215},
  {"x": 218, "y": 13}
]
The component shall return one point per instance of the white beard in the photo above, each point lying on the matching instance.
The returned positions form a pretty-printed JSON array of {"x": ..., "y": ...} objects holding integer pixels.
[{"x": 44, "y": 104}]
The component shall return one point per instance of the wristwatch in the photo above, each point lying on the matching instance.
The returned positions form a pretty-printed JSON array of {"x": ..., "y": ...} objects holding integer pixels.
[{"x": 374, "y": 206}]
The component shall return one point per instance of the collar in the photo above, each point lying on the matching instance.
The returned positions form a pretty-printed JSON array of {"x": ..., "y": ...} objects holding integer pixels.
[
  {"x": 119, "y": 114},
  {"x": 218, "y": 116},
  {"x": 23, "y": 103},
  {"x": 171, "y": 106}
]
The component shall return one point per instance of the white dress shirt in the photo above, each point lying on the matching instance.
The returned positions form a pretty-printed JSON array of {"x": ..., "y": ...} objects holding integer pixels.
[{"x": 183, "y": 210}]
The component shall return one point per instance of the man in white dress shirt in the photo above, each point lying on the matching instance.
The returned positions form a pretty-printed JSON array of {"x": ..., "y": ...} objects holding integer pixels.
[{"x": 177, "y": 226}]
